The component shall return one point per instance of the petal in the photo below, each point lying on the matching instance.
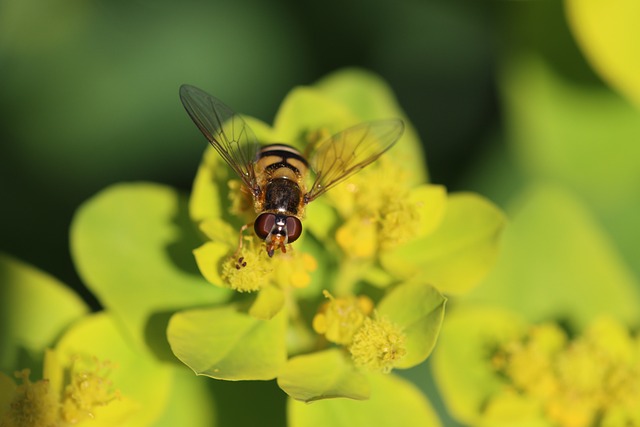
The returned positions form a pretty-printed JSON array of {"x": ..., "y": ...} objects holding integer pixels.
[
  {"x": 144, "y": 383},
  {"x": 369, "y": 97},
  {"x": 553, "y": 255},
  {"x": 418, "y": 309},
  {"x": 607, "y": 32},
  {"x": 132, "y": 246},
  {"x": 306, "y": 110},
  {"x": 394, "y": 402},
  {"x": 461, "y": 363},
  {"x": 323, "y": 375},
  {"x": 459, "y": 253},
  {"x": 226, "y": 344},
  {"x": 268, "y": 303},
  {"x": 208, "y": 257},
  {"x": 35, "y": 308}
]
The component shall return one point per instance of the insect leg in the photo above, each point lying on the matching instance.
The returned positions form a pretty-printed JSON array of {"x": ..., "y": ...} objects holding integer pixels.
[{"x": 240, "y": 238}]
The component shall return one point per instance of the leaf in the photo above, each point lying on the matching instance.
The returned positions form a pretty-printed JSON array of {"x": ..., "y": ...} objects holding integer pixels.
[
  {"x": 305, "y": 111},
  {"x": 323, "y": 375},
  {"x": 144, "y": 383},
  {"x": 556, "y": 263},
  {"x": 607, "y": 33},
  {"x": 208, "y": 257},
  {"x": 418, "y": 309},
  {"x": 394, "y": 402},
  {"x": 431, "y": 201},
  {"x": 36, "y": 308},
  {"x": 132, "y": 246},
  {"x": 225, "y": 344},
  {"x": 459, "y": 253}
]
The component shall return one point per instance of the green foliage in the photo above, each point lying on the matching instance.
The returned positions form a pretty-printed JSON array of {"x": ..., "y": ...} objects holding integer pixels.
[
  {"x": 553, "y": 251},
  {"x": 459, "y": 253},
  {"x": 418, "y": 309},
  {"x": 131, "y": 245},
  {"x": 94, "y": 351},
  {"x": 226, "y": 344},
  {"x": 394, "y": 402},
  {"x": 27, "y": 295},
  {"x": 607, "y": 34},
  {"x": 323, "y": 375}
]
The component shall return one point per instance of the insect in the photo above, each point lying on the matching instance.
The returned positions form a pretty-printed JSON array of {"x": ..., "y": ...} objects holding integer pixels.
[{"x": 276, "y": 175}]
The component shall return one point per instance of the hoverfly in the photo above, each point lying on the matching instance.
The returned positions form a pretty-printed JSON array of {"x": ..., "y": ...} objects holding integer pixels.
[{"x": 276, "y": 175}]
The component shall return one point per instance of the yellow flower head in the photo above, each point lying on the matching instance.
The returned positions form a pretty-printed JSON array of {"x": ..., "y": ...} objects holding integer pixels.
[
  {"x": 339, "y": 318},
  {"x": 249, "y": 270},
  {"x": 380, "y": 211},
  {"x": 65, "y": 399},
  {"x": 378, "y": 345},
  {"x": 577, "y": 382},
  {"x": 33, "y": 404}
]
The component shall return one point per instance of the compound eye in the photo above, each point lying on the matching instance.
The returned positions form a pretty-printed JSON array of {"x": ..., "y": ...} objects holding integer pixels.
[
  {"x": 294, "y": 229},
  {"x": 264, "y": 224}
]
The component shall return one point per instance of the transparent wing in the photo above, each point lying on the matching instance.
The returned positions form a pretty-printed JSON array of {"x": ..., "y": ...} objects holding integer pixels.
[
  {"x": 347, "y": 152},
  {"x": 226, "y": 131}
]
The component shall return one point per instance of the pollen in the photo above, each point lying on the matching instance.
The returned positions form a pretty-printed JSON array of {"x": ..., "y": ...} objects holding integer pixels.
[
  {"x": 37, "y": 404},
  {"x": 398, "y": 223},
  {"x": 249, "y": 270},
  {"x": 89, "y": 388},
  {"x": 378, "y": 345},
  {"x": 580, "y": 382},
  {"x": 381, "y": 214},
  {"x": 33, "y": 404},
  {"x": 339, "y": 318}
]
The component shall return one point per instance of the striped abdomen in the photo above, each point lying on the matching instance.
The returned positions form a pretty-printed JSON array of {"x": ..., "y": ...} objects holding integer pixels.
[{"x": 281, "y": 170}]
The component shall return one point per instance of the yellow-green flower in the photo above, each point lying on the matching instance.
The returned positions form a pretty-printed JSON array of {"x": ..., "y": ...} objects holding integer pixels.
[
  {"x": 65, "y": 396},
  {"x": 539, "y": 373},
  {"x": 358, "y": 295},
  {"x": 375, "y": 343},
  {"x": 79, "y": 369},
  {"x": 378, "y": 345}
]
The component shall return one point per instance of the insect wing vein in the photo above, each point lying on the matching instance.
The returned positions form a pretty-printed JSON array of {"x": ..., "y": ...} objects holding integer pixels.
[
  {"x": 347, "y": 152},
  {"x": 227, "y": 132}
]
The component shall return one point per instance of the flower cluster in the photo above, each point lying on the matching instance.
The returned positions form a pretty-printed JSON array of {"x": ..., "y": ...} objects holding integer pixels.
[
  {"x": 370, "y": 245},
  {"x": 63, "y": 398},
  {"x": 374, "y": 343},
  {"x": 593, "y": 378}
]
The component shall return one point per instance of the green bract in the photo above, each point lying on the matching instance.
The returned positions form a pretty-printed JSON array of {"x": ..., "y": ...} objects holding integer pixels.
[
  {"x": 130, "y": 244},
  {"x": 394, "y": 402},
  {"x": 606, "y": 34}
]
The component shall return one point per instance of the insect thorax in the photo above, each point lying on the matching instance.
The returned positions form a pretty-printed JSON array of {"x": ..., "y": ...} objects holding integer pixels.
[{"x": 282, "y": 195}]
